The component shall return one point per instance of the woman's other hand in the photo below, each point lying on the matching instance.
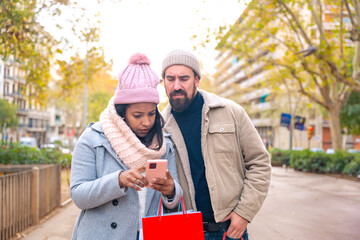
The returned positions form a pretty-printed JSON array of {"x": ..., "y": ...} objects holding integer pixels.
[
  {"x": 133, "y": 178},
  {"x": 165, "y": 186}
]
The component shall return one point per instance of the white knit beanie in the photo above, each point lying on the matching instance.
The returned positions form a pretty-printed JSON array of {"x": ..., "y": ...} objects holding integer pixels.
[{"x": 181, "y": 57}]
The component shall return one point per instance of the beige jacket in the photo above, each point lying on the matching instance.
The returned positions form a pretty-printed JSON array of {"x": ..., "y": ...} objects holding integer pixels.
[{"x": 237, "y": 164}]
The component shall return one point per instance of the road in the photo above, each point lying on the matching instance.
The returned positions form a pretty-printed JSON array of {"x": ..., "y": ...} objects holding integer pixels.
[
  {"x": 308, "y": 206},
  {"x": 299, "y": 206}
]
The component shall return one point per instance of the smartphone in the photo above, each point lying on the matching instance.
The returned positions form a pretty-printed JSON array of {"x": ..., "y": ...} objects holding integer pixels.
[{"x": 155, "y": 168}]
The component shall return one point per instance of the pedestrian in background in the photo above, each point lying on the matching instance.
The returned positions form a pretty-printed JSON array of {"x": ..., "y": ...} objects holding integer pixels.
[
  {"x": 107, "y": 181},
  {"x": 223, "y": 166}
]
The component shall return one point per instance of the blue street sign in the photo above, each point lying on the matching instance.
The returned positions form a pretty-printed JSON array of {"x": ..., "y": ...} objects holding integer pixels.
[
  {"x": 299, "y": 123},
  {"x": 285, "y": 120}
]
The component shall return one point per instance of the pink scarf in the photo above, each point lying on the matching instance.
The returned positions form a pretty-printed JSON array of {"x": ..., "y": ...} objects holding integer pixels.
[{"x": 122, "y": 139}]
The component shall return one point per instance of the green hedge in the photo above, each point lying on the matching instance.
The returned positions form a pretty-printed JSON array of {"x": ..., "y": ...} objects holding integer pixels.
[
  {"x": 280, "y": 157},
  {"x": 341, "y": 162},
  {"x": 19, "y": 154}
]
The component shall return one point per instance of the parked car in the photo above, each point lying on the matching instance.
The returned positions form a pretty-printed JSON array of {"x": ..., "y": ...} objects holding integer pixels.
[
  {"x": 49, "y": 145},
  {"x": 353, "y": 151},
  {"x": 317, "y": 150},
  {"x": 330, "y": 151},
  {"x": 297, "y": 149},
  {"x": 55, "y": 146},
  {"x": 28, "y": 141}
]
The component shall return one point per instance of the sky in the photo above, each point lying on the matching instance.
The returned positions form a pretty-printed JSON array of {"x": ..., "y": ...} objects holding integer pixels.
[
  {"x": 155, "y": 27},
  {"x": 151, "y": 27}
]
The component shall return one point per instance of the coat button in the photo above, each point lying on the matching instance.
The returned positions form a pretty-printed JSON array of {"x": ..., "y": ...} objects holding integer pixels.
[
  {"x": 115, "y": 202},
  {"x": 222, "y": 129},
  {"x": 113, "y": 225}
]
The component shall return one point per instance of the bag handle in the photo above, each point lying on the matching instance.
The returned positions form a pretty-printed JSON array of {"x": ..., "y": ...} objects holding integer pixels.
[
  {"x": 182, "y": 207},
  {"x": 160, "y": 207},
  {"x": 224, "y": 237}
]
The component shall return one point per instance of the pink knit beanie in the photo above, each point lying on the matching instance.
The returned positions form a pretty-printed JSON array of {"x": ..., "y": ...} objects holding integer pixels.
[{"x": 137, "y": 82}]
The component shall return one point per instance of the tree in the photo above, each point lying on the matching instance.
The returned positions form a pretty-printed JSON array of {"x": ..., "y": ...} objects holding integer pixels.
[
  {"x": 7, "y": 116},
  {"x": 350, "y": 117},
  {"x": 72, "y": 81},
  {"x": 101, "y": 91},
  {"x": 311, "y": 51},
  {"x": 207, "y": 83},
  {"x": 98, "y": 101},
  {"x": 24, "y": 41}
]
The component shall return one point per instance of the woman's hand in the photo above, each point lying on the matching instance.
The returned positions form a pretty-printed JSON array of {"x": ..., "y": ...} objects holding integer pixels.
[
  {"x": 133, "y": 178},
  {"x": 165, "y": 186}
]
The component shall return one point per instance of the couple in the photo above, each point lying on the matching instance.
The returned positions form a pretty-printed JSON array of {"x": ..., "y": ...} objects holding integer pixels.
[{"x": 216, "y": 158}]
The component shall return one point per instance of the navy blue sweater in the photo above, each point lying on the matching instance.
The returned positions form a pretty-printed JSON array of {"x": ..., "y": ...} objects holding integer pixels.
[{"x": 189, "y": 122}]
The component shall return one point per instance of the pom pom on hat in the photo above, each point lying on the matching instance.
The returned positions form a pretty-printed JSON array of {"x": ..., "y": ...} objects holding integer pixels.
[
  {"x": 139, "y": 58},
  {"x": 137, "y": 82}
]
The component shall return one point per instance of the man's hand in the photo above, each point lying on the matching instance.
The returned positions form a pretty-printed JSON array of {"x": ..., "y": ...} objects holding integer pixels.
[
  {"x": 165, "y": 186},
  {"x": 237, "y": 226}
]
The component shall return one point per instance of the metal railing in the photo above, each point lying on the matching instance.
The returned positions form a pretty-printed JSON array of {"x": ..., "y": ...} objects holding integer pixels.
[{"x": 28, "y": 193}]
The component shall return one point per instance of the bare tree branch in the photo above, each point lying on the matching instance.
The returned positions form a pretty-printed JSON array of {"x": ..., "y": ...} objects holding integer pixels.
[
  {"x": 302, "y": 31},
  {"x": 341, "y": 36},
  {"x": 337, "y": 74},
  {"x": 310, "y": 96},
  {"x": 318, "y": 22},
  {"x": 349, "y": 12},
  {"x": 321, "y": 11},
  {"x": 294, "y": 29},
  {"x": 324, "y": 90},
  {"x": 312, "y": 72},
  {"x": 285, "y": 44},
  {"x": 344, "y": 96},
  {"x": 356, "y": 59},
  {"x": 343, "y": 89}
]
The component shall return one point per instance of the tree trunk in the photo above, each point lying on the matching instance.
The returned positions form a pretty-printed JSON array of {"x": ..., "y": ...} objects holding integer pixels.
[{"x": 335, "y": 127}]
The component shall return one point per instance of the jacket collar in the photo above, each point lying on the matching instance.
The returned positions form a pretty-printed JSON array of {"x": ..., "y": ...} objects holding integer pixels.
[
  {"x": 96, "y": 126},
  {"x": 211, "y": 100},
  {"x": 102, "y": 141}
]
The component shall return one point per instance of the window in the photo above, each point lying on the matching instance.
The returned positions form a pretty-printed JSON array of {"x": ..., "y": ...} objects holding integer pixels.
[
  {"x": 30, "y": 122},
  {"x": 6, "y": 89},
  {"x": 7, "y": 72}
]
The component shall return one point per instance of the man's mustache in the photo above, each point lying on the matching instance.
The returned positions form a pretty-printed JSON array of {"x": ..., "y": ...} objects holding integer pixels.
[{"x": 177, "y": 92}]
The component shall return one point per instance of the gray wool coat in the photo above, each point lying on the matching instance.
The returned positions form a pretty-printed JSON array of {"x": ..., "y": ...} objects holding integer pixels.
[{"x": 108, "y": 211}]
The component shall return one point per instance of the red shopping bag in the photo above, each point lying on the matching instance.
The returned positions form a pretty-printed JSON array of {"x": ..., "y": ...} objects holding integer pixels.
[{"x": 179, "y": 225}]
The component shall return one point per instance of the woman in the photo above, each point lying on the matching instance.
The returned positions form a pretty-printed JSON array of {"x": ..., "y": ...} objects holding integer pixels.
[{"x": 107, "y": 180}]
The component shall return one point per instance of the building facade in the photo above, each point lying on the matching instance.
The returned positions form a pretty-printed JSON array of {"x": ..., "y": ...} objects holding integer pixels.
[
  {"x": 244, "y": 81},
  {"x": 33, "y": 121}
]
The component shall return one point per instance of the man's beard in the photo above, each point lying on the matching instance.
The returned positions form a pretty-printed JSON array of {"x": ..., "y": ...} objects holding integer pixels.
[{"x": 180, "y": 105}]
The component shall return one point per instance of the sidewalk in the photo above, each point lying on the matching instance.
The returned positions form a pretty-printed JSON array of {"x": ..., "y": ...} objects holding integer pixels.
[
  {"x": 58, "y": 226},
  {"x": 299, "y": 206}
]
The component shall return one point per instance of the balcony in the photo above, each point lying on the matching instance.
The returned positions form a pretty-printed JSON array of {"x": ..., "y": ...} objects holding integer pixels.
[
  {"x": 227, "y": 93},
  {"x": 18, "y": 94},
  {"x": 262, "y": 107},
  {"x": 252, "y": 81},
  {"x": 262, "y": 122},
  {"x": 22, "y": 111},
  {"x": 254, "y": 94}
]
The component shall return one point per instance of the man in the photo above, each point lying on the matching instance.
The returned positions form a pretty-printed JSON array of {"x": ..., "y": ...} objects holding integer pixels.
[{"x": 223, "y": 166}]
